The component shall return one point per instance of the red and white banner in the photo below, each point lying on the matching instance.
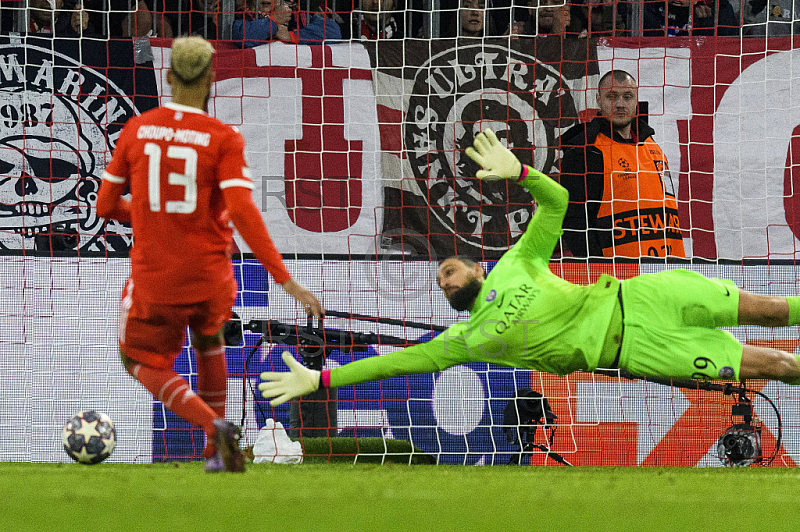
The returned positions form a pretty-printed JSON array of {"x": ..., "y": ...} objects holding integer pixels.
[
  {"x": 324, "y": 149},
  {"x": 309, "y": 118}
]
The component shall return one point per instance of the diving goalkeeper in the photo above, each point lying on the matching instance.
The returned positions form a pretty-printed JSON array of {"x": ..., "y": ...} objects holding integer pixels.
[{"x": 523, "y": 316}]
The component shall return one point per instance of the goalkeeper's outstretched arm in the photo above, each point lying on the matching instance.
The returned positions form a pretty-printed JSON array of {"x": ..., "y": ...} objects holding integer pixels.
[
  {"x": 498, "y": 162},
  {"x": 552, "y": 199},
  {"x": 444, "y": 351}
]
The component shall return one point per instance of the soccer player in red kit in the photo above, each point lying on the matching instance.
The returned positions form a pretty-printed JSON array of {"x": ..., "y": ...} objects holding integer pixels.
[{"x": 188, "y": 178}]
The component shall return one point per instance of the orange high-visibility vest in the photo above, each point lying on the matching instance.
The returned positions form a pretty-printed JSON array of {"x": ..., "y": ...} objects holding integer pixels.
[{"x": 639, "y": 199}]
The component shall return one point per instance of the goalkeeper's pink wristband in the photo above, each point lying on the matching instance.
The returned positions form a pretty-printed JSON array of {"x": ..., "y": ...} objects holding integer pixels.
[
  {"x": 523, "y": 174},
  {"x": 325, "y": 378}
]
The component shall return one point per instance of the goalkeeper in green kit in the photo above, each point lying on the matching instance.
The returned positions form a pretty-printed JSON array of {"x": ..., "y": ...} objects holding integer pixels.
[{"x": 523, "y": 316}]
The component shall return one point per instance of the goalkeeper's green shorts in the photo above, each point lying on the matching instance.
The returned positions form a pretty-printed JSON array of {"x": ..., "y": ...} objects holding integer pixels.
[{"x": 670, "y": 323}]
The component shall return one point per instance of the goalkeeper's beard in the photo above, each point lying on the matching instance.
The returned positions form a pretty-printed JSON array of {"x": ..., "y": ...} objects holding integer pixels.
[{"x": 463, "y": 298}]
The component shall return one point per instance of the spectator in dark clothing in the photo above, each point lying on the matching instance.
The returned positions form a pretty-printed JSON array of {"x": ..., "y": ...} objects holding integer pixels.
[
  {"x": 774, "y": 18},
  {"x": 135, "y": 18},
  {"x": 202, "y": 19},
  {"x": 470, "y": 21},
  {"x": 689, "y": 17},
  {"x": 545, "y": 17},
  {"x": 6, "y": 17},
  {"x": 601, "y": 18},
  {"x": 71, "y": 20},
  {"x": 375, "y": 20}
]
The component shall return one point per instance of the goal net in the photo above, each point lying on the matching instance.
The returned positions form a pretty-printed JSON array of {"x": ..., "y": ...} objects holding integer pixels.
[{"x": 356, "y": 149}]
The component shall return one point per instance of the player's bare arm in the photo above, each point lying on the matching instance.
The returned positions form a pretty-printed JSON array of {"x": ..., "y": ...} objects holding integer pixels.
[{"x": 303, "y": 295}]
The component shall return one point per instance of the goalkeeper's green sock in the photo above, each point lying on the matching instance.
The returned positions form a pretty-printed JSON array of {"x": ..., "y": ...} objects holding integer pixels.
[{"x": 794, "y": 310}]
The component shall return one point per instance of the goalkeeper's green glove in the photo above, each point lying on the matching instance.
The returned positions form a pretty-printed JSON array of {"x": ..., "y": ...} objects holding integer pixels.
[
  {"x": 497, "y": 161},
  {"x": 286, "y": 385}
]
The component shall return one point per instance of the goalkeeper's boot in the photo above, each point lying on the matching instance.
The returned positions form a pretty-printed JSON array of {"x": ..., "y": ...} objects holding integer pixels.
[
  {"x": 228, "y": 436},
  {"x": 215, "y": 464}
]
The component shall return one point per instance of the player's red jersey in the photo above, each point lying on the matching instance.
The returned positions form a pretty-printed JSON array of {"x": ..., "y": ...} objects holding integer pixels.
[{"x": 178, "y": 160}]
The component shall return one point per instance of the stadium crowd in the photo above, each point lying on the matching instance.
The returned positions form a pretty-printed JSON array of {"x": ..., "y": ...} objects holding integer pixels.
[{"x": 316, "y": 20}]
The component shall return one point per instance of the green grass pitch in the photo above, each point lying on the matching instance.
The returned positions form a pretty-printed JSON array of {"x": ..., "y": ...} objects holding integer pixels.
[{"x": 337, "y": 496}]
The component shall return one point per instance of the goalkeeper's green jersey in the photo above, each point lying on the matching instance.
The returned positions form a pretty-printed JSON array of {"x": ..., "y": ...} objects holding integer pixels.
[{"x": 524, "y": 315}]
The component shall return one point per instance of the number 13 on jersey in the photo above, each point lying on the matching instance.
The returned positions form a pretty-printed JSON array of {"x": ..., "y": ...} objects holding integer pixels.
[{"x": 187, "y": 179}]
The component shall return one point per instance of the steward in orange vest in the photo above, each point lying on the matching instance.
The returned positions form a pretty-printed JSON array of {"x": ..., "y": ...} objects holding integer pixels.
[{"x": 621, "y": 196}]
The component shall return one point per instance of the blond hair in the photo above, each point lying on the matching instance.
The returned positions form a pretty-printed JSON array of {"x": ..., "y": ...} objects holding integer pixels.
[{"x": 190, "y": 59}]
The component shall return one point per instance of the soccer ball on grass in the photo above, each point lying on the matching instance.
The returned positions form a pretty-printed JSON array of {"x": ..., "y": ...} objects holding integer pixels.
[{"x": 89, "y": 437}]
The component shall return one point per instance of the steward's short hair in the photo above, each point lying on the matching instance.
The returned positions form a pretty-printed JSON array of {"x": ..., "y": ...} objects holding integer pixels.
[{"x": 619, "y": 75}]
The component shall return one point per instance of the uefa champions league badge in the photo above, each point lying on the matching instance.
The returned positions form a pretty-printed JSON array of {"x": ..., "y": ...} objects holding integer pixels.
[
  {"x": 726, "y": 372},
  {"x": 491, "y": 296}
]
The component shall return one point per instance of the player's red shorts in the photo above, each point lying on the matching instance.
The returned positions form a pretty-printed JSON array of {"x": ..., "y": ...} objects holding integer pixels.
[{"x": 153, "y": 334}]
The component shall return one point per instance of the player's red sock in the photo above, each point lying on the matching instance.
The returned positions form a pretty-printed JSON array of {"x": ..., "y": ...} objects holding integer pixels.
[
  {"x": 212, "y": 378},
  {"x": 176, "y": 394}
]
